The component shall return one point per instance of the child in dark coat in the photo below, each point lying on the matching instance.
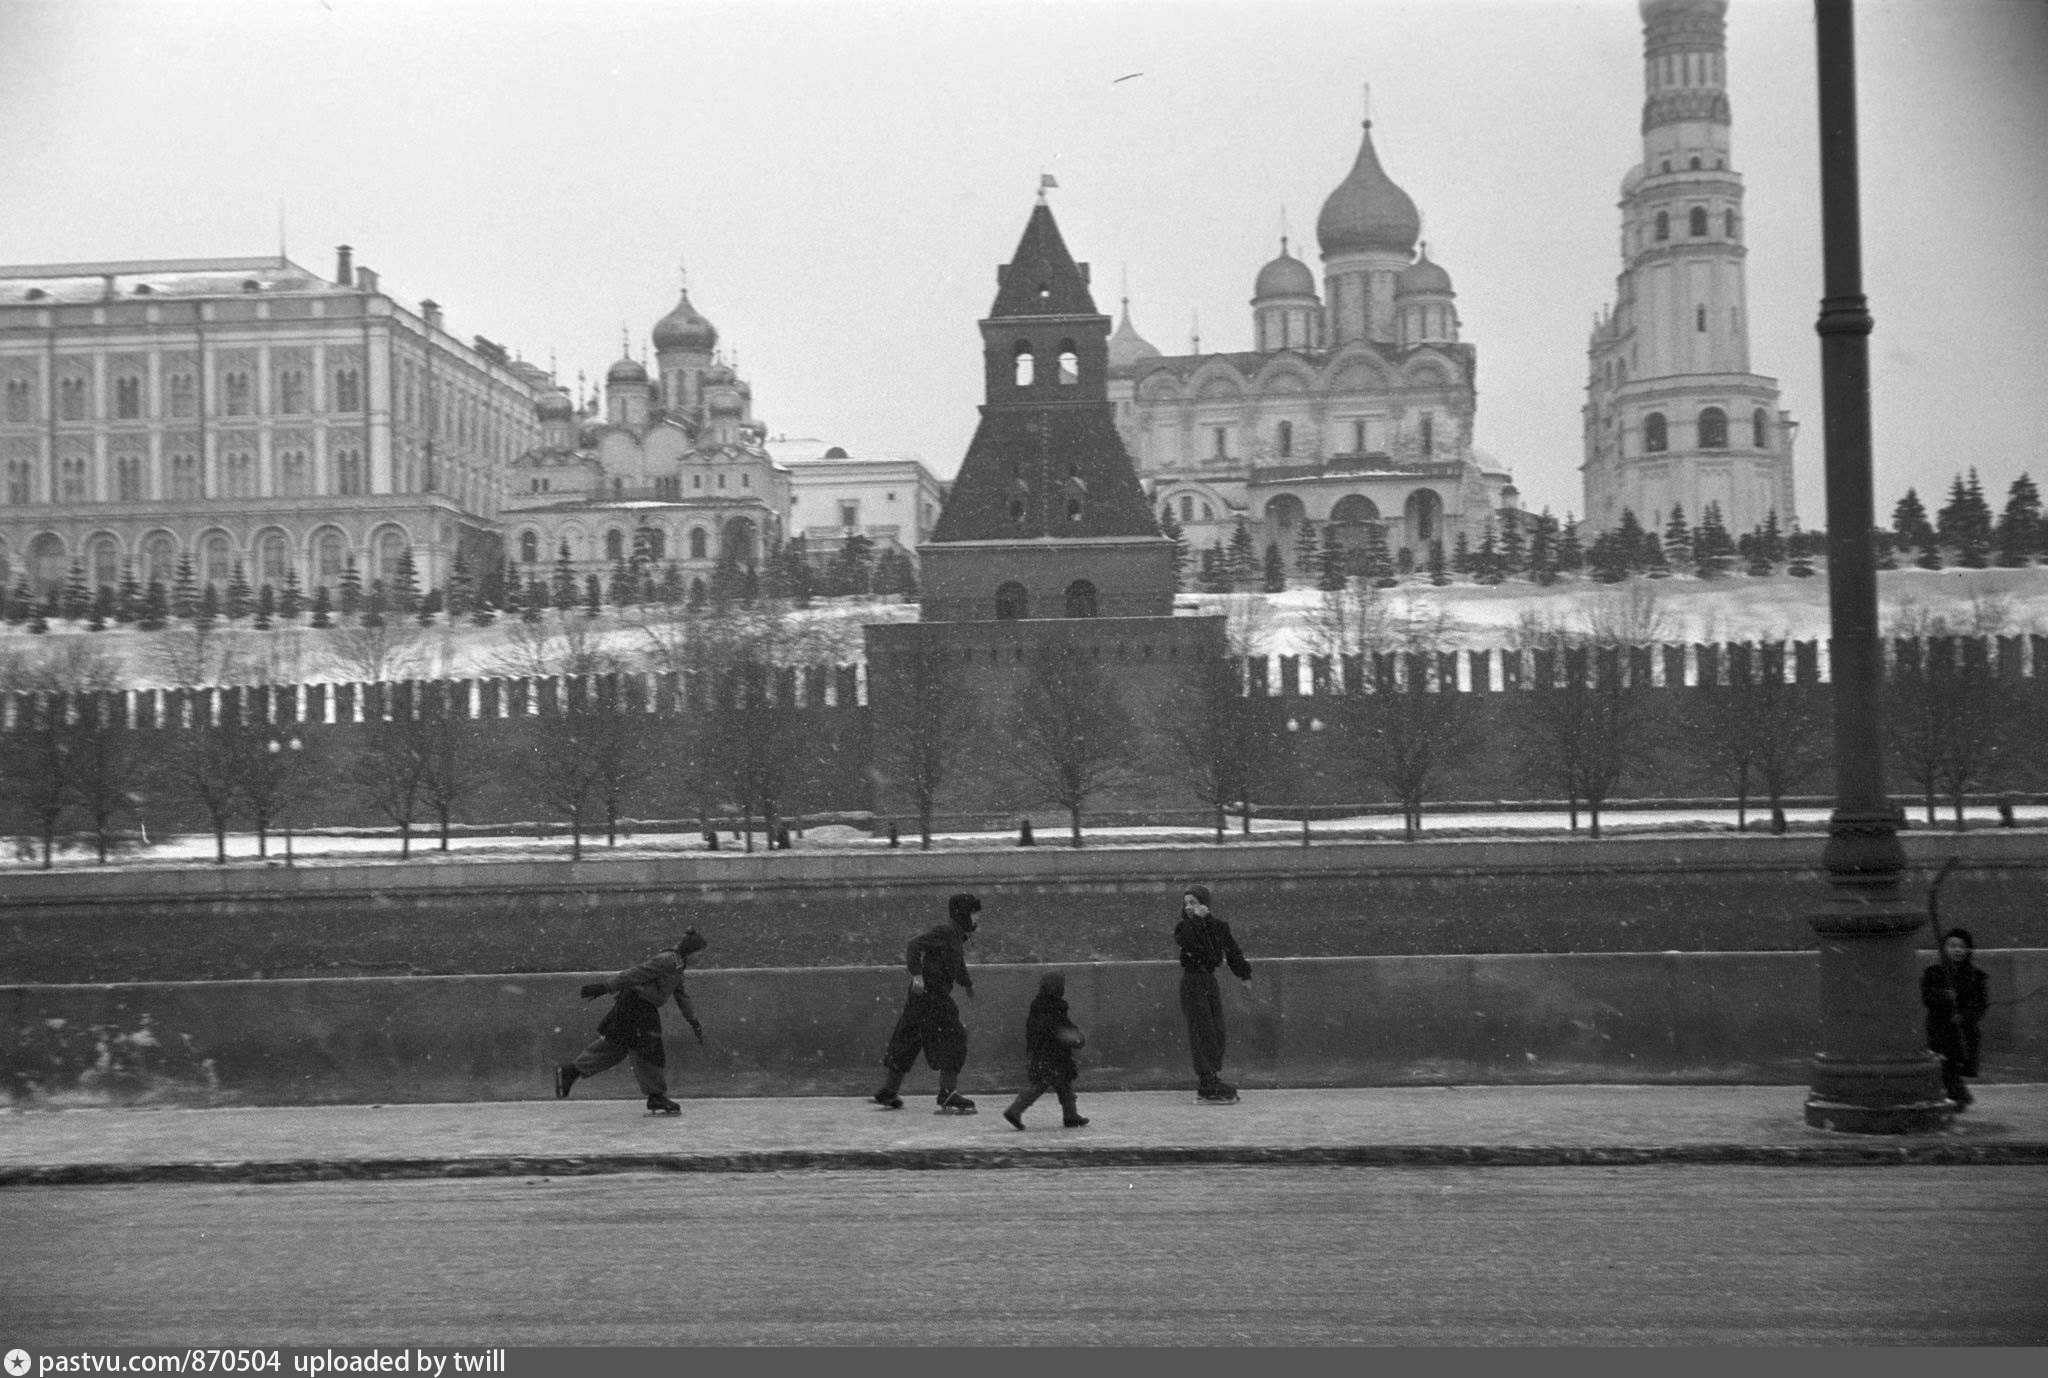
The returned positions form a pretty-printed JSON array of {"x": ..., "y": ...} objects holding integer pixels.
[
  {"x": 1049, "y": 1042},
  {"x": 1956, "y": 995}
]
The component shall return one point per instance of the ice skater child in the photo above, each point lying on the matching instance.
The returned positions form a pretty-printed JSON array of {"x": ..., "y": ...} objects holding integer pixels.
[
  {"x": 632, "y": 1028},
  {"x": 930, "y": 1022},
  {"x": 1049, "y": 1042}
]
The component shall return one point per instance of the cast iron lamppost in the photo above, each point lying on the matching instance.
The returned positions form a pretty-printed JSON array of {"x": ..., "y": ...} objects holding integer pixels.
[
  {"x": 277, "y": 747},
  {"x": 1873, "y": 1073}
]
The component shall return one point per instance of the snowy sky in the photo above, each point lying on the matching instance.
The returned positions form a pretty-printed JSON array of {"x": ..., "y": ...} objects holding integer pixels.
[{"x": 842, "y": 180}]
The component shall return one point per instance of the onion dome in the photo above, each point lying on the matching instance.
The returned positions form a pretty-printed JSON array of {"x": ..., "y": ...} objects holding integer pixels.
[
  {"x": 1422, "y": 276},
  {"x": 718, "y": 375},
  {"x": 1367, "y": 213},
  {"x": 555, "y": 406},
  {"x": 683, "y": 328},
  {"x": 1127, "y": 347},
  {"x": 626, "y": 371},
  {"x": 1285, "y": 276}
]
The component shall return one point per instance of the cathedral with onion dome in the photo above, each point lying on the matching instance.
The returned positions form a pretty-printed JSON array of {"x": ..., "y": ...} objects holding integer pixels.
[
  {"x": 672, "y": 468},
  {"x": 1352, "y": 409}
]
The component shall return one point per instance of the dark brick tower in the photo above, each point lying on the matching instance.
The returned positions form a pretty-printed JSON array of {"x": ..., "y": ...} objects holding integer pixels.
[{"x": 1047, "y": 518}]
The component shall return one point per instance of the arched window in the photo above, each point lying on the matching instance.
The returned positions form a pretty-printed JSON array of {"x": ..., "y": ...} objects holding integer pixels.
[
  {"x": 273, "y": 558},
  {"x": 128, "y": 478},
  {"x": 1759, "y": 429},
  {"x": 216, "y": 559},
  {"x": 650, "y": 543},
  {"x": 697, "y": 543},
  {"x": 1713, "y": 429},
  {"x": 294, "y": 474},
  {"x": 1699, "y": 222},
  {"x": 1187, "y": 507},
  {"x": 46, "y": 563},
  {"x": 385, "y": 548},
  {"x": 1080, "y": 599},
  {"x": 71, "y": 399},
  {"x": 127, "y": 398},
  {"x": 1428, "y": 434},
  {"x": 1656, "y": 439},
  {"x": 350, "y": 477},
  {"x": 1011, "y": 602},
  {"x": 529, "y": 547},
  {"x": 348, "y": 390},
  {"x": 1700, "y": 318},
  {"x": 291, "y": 390},
  {"x": 1070, "y": 364},
  {"x": 1694, "y": 164},
  {"x": 1286, "y": 439},
  {"x": 103, "y": 561},
  {"x": 1026, "y": 363},
  {"x": 614, "y": 545},
  {"x": 330, "y": 557},
  {"x": 1728, "y": 223},
  {"x": 20, "y": 400},
  {"x": 1664, "y": 221}
]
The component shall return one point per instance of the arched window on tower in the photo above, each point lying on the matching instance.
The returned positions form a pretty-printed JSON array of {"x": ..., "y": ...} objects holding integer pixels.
[
  {"x": 1026, "y": 363},
  {"x": 1286, "y": 439},
  {"x": 1080, "y": 599},
  {"x": 1695, "y": 165},
  {"x": 1656, "y": 439},
  {"x": 1428, "y": 434},
  {"x": 1070, "y": 364},
  {"x": 614, "y": 545},
  {"x": 1663, "y": 224},
  {"x": 1011, "y": 602},
  {"x": 1759, "y": 429},
  {"x": 697, "y": 543},
  {"x": 1713, "y": 429},
  {"x": 1699, "y": 222},
  {"x": 1728, "y": 223},
  {"x": 529, "y": 547}
]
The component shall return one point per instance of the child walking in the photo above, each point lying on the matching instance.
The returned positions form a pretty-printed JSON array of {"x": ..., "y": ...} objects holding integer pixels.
[{"x": 1049, "y": 1042}]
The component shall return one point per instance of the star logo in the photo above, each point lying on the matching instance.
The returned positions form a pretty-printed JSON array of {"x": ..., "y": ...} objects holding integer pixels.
[{"x": 17, "y": 1362}]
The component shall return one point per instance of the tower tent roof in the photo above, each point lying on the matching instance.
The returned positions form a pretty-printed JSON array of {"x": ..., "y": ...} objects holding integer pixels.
[{"x": 1041, "y": 278}]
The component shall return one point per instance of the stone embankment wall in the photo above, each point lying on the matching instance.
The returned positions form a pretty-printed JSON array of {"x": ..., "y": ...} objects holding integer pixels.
[{"x": 1618, "y": 1017}]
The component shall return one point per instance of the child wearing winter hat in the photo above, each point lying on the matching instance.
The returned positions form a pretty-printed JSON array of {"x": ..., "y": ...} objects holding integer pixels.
[{"x": 1049, "y": 1042}]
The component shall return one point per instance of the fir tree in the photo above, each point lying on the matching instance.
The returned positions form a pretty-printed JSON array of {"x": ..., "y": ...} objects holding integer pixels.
[
  {"x": 2019, "y": 526},
  {"x": 1514, "y": 549},
  {"x": 593, "y": 595},
  {"x": 1607, "y": 561},
  {"x": 128, "y": 604},
  {"x": 1276, "y": 569},
  {"x": 430, "y": 608},
  {"x": 462, "y": 591},
  {"x": 1374, "y": 561},
  {"x": 1542, "y": 563},
  {"x": 39, "y": 618},
  {"x": 624, "y": 591},
  {"x": 1330, "y": 575},
  {"x": 156, "y": 607},
  {"x": 184, "y": 590},
  {"x": 21, "y": 602},
  {"x": 351, "y": 588},
  {"x": 77, "y": 594},
  {"x": 1678, "y": 539},
  {"x": 1308, "y": 551},
  {"x": 266, "y": 607},
  {"x": 1771, "y": 539},
  {"x": 1628, "y": 543},
  {"x": 565, "y": 586},
  {"x": 1486, "y": 560},
  {"x": 910, "y": 585},
  {"x": 1170, "y": 527},
  {"x": 1461, "y": 555},
  {"x": 240, "y": 596},
  {"x": 102, "y": 609},
  {"x": 1909, "y": 523},
  {"x": 323, "y": 608},
  {"x": 208, "y": 611},
  {"x": 292, "y": 601},
  {"x": 404, "y": 592},
  {"x": 1241, "y": 559},
  {"x": 1973, "y": 547},
  {"x": 1438, "y": 574},
  {"x": 1571, "y": 556},
  {"x": 1212, "y": 578},
  {"x": 1652, "y": 551},
  {"x": 376, "y": 605},
  {"x": 799, "y": 584},
  {"x": 1712, "y": 550},
  {"x": 534, "y": 601}
]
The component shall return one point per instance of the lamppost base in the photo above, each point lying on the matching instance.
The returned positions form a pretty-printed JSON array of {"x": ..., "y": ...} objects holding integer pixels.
[{"x": 1844, "y": 1117}]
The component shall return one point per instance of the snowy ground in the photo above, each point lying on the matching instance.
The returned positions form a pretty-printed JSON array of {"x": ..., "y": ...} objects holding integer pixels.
[
  {"x": 1736, "y": 608},
  {"x": 197, "y": 850}
]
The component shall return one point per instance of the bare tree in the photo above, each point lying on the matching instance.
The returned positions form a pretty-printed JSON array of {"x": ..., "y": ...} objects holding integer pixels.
[
  {"x": 1414, "y": 723},
  {"x": 384, "y": 649},
  {"x": 273, "y": 767},
  {"x": 1953, "y": 720},
  {"x": 389, "y": 772},
  {"x": 447, "y": 771},
  {"x": 1590, "y": 721},
  {"x": 927, "y": 724},
  {"x": 1212, "y": 726},
  {"x": 198, "y": 654},
  {"x": 207, "y": 755},
  {"x": 1072, "y": 735},
  {"x": 1758, "y": 725},
  {"x": 586, "y": 755}
]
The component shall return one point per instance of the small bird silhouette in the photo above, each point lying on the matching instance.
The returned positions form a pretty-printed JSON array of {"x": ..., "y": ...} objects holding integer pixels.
[{"x": 1127, "y": 78}]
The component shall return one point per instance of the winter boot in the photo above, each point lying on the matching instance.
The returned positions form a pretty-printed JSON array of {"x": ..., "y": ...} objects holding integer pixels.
[
  {"x": 1074, "y": 1121},
  {"x": 1015, "y": 1114},
  {"x": 888, "y": 1099},
  {"x": 953, "y": 1103},
  {"x": 565, "y": 1077},
  {"x": 661, "y": 1105}
]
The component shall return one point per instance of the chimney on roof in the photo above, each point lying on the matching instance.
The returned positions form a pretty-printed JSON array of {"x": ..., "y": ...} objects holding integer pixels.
[
  {"x": 431, "y": 309},
  {"x": 366, "y": 281},
  {"x": 344, "y": 266}
]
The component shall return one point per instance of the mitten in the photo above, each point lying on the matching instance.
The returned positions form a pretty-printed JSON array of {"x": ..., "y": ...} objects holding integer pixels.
[
  {"x": 697, "y": 1029},
  {"x": 593, "y": 989}
]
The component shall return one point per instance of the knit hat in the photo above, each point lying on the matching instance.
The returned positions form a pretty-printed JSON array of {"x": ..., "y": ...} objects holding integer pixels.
[
  {"x": 1963, "y": 933},
  {"x": 1200, "y": 892},
  {"x": 691, "y": 941},
  {"x": 1053, "y": 983},
  {"x": 962, "y": 908}
]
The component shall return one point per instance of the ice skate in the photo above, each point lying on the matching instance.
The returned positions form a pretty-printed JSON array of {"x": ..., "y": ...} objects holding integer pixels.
[
  {"x": 1015, "y": 1117},
  {"x": 1071, "y": 1122},
  {"x": 887, "y": 1099},
  {"x": 954, "y": 1104},
  {"x": 1219, "y": 1094},
  {"x": 662, "y": 1105},
  {"x": 565, "y": 1077}
]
